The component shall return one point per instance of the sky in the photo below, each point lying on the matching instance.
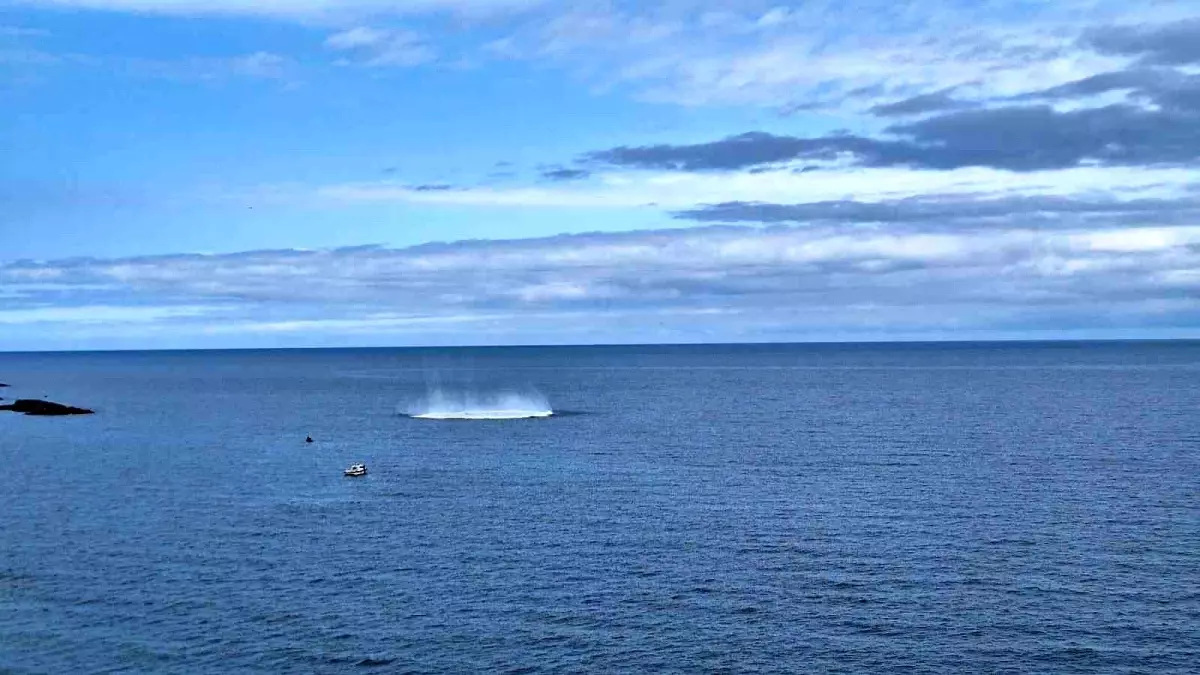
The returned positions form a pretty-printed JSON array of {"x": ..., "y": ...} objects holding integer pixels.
[{"x": 314, "y": 173}]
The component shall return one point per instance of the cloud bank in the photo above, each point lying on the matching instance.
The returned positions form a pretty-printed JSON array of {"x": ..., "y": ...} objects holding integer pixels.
[{"x": 782, "y": 282}]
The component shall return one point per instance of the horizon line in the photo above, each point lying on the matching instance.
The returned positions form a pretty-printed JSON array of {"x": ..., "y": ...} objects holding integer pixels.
[{"x": 791, "y": 343}]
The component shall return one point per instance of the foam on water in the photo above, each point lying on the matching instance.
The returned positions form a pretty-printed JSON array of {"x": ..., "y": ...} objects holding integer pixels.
[
  {"x": 439, "y": 404},
  {"x": 485, "y": 415}
]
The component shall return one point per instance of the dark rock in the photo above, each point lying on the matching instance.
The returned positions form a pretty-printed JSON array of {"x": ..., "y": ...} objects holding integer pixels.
[{"x": 44, "y": 408}]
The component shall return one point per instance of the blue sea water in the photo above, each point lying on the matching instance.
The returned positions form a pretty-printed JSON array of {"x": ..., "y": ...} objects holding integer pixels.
[{"x": 999, "y": 508}]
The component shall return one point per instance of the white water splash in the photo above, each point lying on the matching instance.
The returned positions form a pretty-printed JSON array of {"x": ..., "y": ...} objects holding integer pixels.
[{"x": 439, "y": 404}]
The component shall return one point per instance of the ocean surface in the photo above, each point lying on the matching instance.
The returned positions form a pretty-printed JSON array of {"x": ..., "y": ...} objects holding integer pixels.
[{"x": 954, "y": 508}]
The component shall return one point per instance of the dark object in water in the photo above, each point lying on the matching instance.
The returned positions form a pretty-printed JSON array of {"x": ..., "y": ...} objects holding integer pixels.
[
  {"x": 44, "y": 408},
  {"x": 2, "y": 385},
  {"x": 308, "y": 439}
]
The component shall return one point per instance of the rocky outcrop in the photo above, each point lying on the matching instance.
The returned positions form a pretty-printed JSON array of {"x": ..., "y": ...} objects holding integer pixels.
[{"x": 44, "y": 408}]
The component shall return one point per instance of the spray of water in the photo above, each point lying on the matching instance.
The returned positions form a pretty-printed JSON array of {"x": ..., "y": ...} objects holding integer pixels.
[{"x": 443, "y": 404}]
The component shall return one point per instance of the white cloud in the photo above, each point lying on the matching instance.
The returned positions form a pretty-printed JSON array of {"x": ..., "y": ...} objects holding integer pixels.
[
  {"x": 259, "y": 64},
  {"x": 355, "y": 38},
  {"x": 382, "y": 321},
  {"x": 752, "y": 271},
  {"x": 28, "y": 57},
  {"x": 803, "y": 71},
  {"x": 700, "y": 284},
  {"x": 378, "y": 47},
  {"x": 819, "y": 55},
  {"x": 679, "y": 190},
  {"x": 295, "y": 9},
  {"x": 825, "y": 54},
  {"x": 19, "y": 32},
  {"x": 101, "y": 314},
  {"x": 1141, "y": 240}
]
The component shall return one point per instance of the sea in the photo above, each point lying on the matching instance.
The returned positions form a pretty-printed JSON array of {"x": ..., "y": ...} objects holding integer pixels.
[{"x": 854, "y": 508}]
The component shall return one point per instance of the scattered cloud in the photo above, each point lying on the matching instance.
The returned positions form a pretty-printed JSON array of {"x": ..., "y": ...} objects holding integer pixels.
[
  {"x": 1174, "y": 43},
  {"x": 99, "y": 314},
  {"x": 376, "y": 47},
  {"x": 834, "y": 57},
  {"x": 743, "y": 151},
  {"x": 561, "y": 173},
  {"x": 258, "y": 65},
  {"x": 890, "y": 58},
  {"x": 1010, "y": 137},
  {"x": 681, "y": 190},
  {"x": 293, "y": 9},
  {"x": 26, "y": 57},
  {"x": 961, "y": 211},
  {"x": 20, "y": 32},
  {"x": 823, "y": 55},
  {"x": 357, "y": 38},
  {"x": 1152, "y": 89},
  {"x": 938, "y": 101}
]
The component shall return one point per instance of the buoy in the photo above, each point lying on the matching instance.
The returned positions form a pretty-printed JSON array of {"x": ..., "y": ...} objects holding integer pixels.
[{"x": 308, "y": 439}]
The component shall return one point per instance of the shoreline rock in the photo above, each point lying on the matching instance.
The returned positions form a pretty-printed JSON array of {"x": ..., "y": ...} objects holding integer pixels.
[{"x": 44, "y": 408}]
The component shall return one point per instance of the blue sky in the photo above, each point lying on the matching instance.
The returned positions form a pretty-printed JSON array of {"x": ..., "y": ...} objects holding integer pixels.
[{"x": 223, "y": 173}]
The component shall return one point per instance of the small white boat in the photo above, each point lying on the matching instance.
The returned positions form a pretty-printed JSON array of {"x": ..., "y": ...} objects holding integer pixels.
[{"x": 356, "y": 470}]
